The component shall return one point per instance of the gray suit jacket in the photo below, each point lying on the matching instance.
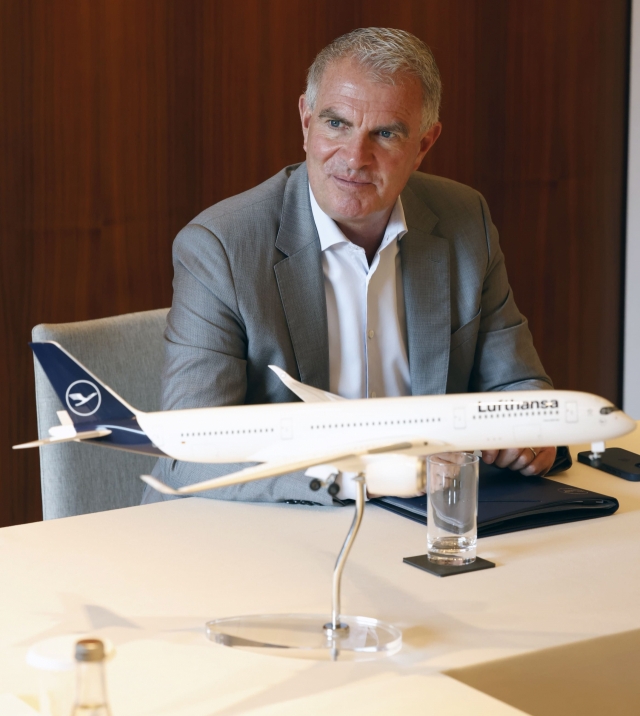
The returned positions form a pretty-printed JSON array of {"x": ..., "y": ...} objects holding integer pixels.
[{"x": 249, "y": 291}]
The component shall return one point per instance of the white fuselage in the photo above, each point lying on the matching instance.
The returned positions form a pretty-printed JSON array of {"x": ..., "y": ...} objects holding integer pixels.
[{"x": 476, "y": 421}]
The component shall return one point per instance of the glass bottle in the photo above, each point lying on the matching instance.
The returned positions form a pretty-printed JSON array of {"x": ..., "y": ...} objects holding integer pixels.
[{"x": 91, "y": 693}]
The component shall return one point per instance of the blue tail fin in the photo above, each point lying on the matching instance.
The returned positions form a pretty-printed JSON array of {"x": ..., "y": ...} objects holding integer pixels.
[
  {"x": 90, "y": 403},
  {"x": 87, "y": 400}
]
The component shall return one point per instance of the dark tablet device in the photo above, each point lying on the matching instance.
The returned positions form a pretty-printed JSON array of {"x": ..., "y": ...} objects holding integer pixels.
[
  {"x": 509, "y": 501},
  {"x": 616, "y": 461}
]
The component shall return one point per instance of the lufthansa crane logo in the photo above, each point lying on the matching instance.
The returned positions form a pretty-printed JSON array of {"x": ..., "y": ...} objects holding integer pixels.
[{"x": 83, "y": 398}]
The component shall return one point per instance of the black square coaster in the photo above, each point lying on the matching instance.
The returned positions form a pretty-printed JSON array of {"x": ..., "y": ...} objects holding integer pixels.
[{"x": 421, "y": 561}]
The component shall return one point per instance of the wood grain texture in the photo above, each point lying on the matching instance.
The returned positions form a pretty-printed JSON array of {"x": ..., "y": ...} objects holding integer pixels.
[{"x": 122, "y": 119}]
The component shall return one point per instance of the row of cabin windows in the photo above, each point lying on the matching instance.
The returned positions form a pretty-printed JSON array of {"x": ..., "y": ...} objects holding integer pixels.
[
  {"x": 379, "y": 422},
  {"x": 314, "y": 427},
  {"x": 367, "y": 424},
  {"x": 526, "y": 412},
  {"x": 227, "y": 432}
]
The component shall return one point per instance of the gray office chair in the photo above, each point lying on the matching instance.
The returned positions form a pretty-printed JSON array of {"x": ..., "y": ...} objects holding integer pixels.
[{"x": 126, "y": 352}]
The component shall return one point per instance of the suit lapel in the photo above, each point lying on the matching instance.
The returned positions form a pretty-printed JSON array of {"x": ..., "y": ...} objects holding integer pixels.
[
  {"x": 301, "y": 282},
  {"x": 425, "y": 279}
]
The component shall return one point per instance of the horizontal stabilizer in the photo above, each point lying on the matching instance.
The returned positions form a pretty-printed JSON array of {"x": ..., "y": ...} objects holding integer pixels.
[
  {"x": 87, "y": 435},
  {"x": 306, "y": 393}
]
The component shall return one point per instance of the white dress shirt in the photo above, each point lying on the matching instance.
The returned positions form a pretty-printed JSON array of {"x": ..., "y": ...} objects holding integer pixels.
[
  {"x": 365, "y": 310},
  {"x": 365, "y": 317}
]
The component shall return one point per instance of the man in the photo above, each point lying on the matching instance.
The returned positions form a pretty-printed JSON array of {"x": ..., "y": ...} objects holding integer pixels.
[{"x": 352, "y": 271}]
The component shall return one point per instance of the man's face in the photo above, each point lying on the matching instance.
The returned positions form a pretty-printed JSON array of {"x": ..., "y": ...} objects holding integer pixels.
[{"x": 362, "y": 140}]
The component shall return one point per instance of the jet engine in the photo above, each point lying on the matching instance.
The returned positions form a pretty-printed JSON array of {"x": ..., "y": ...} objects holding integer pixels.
[{"x": 395, "y": 475}]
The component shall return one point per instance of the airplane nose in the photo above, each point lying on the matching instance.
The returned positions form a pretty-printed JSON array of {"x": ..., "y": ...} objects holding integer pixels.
[
  {"x": 623, "y": 422},
  {"x": 618, "y": 422}
]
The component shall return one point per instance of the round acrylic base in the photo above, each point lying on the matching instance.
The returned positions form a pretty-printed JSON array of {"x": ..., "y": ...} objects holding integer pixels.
[{"x": 302, "y": 636}]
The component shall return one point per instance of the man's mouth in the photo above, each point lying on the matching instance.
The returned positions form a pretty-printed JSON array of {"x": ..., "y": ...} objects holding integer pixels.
[{"x": 351, "y": 182}]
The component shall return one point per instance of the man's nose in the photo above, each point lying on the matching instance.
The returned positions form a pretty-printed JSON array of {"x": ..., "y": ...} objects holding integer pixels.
[{"x": 358, "y": 151}]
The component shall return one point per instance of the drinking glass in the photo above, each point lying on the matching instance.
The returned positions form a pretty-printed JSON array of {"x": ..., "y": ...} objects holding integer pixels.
[{"x": 452, "y": 507}]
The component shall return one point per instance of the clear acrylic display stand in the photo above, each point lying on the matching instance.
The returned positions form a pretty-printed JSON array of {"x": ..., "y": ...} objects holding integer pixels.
[{"x": 311, "y": 636}]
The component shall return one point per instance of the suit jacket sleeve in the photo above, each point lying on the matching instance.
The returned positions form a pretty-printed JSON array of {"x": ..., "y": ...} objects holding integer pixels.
[
  {"x": 206, "y": 364},
  {"x": 504, "y": 358}
]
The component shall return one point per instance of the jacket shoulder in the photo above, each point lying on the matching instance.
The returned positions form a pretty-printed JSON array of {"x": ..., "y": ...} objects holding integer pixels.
[
  {"x": 445, "y": 197},
  {"x": 262, "y": 203}
]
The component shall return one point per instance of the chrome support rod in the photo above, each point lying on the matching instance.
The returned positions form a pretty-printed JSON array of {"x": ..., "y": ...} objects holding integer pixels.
[{"x": 335, "y": 627}]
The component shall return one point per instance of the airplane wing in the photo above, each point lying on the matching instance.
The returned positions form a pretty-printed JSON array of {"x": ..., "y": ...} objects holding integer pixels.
[
  {"x": 88, "y": 435},
  {"x": 306, "y": 393},
  {"x": 346, "y": 458}
]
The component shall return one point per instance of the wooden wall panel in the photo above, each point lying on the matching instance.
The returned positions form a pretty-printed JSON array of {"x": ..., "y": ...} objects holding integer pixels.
[{"x": 122, "y": 119}]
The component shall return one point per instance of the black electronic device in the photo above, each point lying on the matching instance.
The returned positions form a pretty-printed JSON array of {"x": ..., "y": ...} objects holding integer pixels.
[{"x": 616, "y": 461}]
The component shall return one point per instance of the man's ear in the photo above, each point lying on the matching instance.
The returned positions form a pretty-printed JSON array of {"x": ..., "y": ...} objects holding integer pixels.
[
  {"x": 427, "y": 141},
  {"x": 305, "y": 118}
]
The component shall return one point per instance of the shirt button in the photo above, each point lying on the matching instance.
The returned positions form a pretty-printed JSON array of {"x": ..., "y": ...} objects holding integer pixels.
[
  {"x": 371, "y": 333},
  {"x": 373, "y": 394}
]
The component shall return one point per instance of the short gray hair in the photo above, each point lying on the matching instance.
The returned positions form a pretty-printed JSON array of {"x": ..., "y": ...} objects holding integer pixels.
[{"x": 386, "y": 52}]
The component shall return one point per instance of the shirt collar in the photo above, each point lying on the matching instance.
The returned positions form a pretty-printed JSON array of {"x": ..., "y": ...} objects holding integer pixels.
[{"x": 330, "y": 233}]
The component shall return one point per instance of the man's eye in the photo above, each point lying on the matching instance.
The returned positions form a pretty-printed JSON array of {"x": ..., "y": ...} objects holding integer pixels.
[
  {"x": 335, "y": 123},
  {"x": 386, "y": 134}
]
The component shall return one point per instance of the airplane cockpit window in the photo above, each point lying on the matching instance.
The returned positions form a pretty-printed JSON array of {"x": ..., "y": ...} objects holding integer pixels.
[{"x": 608, "y": 409}]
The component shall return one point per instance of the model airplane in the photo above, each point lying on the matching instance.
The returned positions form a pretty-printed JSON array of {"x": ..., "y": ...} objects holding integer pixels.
[{"x": 384, "y": 438}]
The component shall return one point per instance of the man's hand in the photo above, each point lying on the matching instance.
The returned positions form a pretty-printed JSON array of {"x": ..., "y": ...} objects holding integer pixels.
[{"x": 529, "y": 461}]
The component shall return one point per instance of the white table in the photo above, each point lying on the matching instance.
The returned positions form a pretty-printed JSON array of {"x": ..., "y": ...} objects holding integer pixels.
[{"x": 149, "y": 577}]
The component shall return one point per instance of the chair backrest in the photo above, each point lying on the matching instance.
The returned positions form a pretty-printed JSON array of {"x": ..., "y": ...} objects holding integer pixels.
[{"x": 126, "y": 352}]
